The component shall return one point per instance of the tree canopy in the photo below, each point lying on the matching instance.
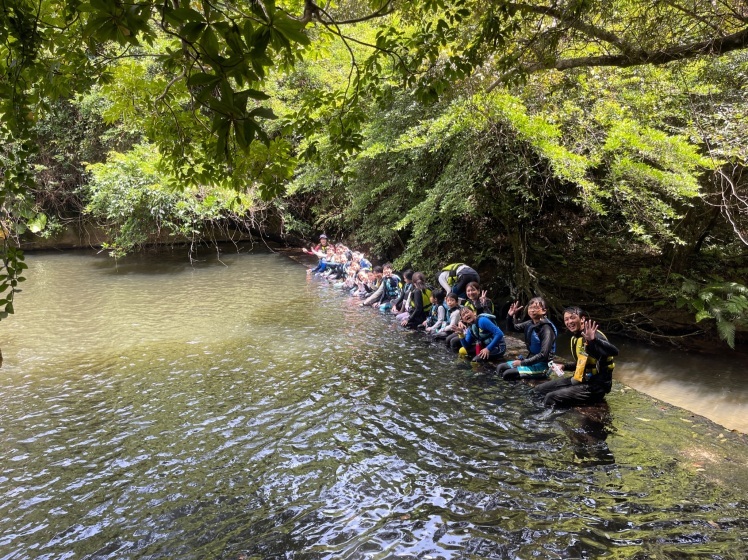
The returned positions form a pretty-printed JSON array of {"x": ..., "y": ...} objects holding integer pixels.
[{"x": 405, "y": 121}]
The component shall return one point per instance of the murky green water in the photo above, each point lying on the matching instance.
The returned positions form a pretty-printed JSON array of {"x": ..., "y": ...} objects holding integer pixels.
[{"x": 235, "y": 410}]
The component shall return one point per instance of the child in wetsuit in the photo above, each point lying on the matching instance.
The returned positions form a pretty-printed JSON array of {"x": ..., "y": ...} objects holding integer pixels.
[
  {"x": 540, "y": 338},
  {"x": 420, "y": 302},
  {"x": 453, "y": 317},
  {"x": 480, "y": 336},
  {"x": 438, "y": 316}
]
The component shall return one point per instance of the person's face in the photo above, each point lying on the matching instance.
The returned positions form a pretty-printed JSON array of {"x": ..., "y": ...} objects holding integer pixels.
[
  {"x": 468, "y": 317},
  {"x": 432, "y": 299},
  {"x": 535, "y": 311},
  {"x": 573, "y": 322},
  {"x": 387, "y": 272},
  {"x": 472, "y": 293},
  {"x": 451, "y": 302}
]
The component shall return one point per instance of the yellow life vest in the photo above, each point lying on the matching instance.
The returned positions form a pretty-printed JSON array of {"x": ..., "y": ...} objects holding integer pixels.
[
  {"x": 426, "y": 295},
  {"x": 452, "y": 269},
  {"x": 586, "y": 365}
]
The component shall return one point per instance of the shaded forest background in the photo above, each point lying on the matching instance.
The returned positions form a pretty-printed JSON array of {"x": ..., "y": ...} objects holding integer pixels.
[{"x": 591, "y": 152}]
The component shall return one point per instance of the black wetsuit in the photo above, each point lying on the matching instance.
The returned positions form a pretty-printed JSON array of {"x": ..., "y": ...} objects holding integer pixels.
[
  {"x": 419, "y": 313},
  {"x": 540, "y": 339},
  {"x": 566, "y": 391},
  {"x": 399, "y": 304}
]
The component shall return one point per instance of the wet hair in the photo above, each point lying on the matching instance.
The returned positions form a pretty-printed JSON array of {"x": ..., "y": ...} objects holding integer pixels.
[
  {"x": 438, "y": 296},
  {"x": 541, "y": 302},
  {"x": 578, "y": 311},
  {"x": 452, "y": 295}
]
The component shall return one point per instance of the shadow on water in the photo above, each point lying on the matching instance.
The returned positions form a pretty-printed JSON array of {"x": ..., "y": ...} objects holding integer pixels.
[{"x": 269, "y": 417}]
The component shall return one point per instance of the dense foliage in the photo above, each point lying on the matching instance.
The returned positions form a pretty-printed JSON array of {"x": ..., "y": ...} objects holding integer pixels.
[{"x": 528, "y": 138}]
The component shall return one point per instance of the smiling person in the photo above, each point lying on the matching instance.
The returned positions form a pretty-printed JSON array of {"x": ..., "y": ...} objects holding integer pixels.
[
  {"x": 593, "y": 365},
  {"x": 480, "y": 336},
  {"x": 320, "y": 251},
  {"x": 455, "y": 277},
  {"x": 478, "y": 302},
  {"x": 540, "y": 339}
]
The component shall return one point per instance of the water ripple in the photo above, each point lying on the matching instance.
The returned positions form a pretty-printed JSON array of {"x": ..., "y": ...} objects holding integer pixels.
[{"x": 332, "y": 434}]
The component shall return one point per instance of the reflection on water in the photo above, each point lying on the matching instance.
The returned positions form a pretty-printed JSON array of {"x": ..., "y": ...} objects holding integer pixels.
[{"x": 235, "y": 410}]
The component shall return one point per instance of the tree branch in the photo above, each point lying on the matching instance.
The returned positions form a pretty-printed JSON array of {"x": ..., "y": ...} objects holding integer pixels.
[
  {"x": 711, "y": 47},
  {"x": 312, "y": 11},
  {"x": 586, "y": 28}
]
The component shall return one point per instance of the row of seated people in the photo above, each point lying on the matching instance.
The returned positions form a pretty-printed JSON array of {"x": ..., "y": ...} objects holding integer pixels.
[{"x": 460, "y": 314}]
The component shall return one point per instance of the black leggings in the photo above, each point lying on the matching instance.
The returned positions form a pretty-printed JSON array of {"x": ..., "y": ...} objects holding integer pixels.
[
  {"x": 563, "y": 393},
  {"x": 507, "y": 372},
  {"x": 453, "y": 342}
]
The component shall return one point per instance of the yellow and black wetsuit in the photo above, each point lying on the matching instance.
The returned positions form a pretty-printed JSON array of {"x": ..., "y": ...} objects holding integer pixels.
[
  {"x": 593, "y": 374},
  {"x": 421, "y": 302}
]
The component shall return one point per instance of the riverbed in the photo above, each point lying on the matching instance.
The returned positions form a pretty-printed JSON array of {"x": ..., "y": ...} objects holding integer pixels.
[{"x": 233, "y": 408}]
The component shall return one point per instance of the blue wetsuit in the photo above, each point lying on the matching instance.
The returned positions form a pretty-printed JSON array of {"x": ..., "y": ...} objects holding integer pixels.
[{"x": 488, "y": 334}]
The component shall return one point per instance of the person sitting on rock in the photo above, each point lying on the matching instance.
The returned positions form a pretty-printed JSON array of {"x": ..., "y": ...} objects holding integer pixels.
[{"x": 592, "y": 366}]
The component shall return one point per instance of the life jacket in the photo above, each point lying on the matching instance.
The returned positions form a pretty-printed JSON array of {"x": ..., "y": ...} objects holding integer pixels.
[
  {"x": 392, "y": 287},
  {"x": 447, "y": 312},
  {"x": 426, "y": 295},
  {"x": 434, "y": 316},
  {"x": 586, "y": 365},
  {"x": 481, "y": 335},
  {"x": 487, "y": 310},
  {"x": 532, "y": 338},
  {"x": 452, "y": 269},
  {"x": 319, "y": 248}
]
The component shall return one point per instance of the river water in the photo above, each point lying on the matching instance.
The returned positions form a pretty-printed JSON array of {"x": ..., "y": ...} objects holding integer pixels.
[{"x": 230, "y": 408}]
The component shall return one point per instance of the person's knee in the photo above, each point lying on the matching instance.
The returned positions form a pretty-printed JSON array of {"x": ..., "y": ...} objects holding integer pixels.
[{"x": 507, "y": 372}]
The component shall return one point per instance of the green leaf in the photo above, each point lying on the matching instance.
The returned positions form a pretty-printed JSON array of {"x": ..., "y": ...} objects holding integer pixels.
[
  {"x": 203, "y": 79},
  {"x": 38, "y": 223},
  {"x": 180, "y": 15},
  {"x": 192, "y": 31},
  {"x": 291, "y": 29},
  {"x": 209, "y": 43},
  {"x": 726, "y": 331},
  {"x": 256, "y": 94},
  {"x": 701, "y": 315},
  {"x": 263, "y": 112}
]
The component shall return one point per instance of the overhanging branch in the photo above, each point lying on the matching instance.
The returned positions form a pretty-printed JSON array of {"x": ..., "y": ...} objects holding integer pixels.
[{"x": 711, "y": 47}]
